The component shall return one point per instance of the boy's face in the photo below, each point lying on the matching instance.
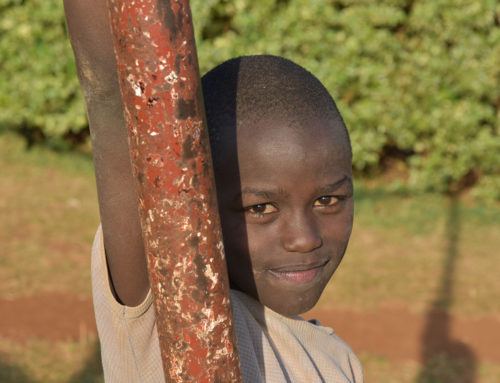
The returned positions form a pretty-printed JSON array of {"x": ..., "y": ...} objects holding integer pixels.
[{"x": 286, "y": 210}]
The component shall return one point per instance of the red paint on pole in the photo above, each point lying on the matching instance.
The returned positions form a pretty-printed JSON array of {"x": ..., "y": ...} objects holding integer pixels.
[{"x": 159, "y": 80}]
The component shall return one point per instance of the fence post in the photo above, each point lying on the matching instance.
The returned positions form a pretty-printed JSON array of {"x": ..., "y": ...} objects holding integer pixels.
[{"x": 170, "y": 154}]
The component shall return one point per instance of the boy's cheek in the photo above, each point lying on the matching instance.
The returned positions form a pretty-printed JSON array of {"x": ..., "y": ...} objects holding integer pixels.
[{"x": 338, "y": 227}]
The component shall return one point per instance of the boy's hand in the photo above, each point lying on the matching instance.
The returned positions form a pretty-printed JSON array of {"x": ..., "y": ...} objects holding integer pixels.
[{"x": 91, "y": 39}]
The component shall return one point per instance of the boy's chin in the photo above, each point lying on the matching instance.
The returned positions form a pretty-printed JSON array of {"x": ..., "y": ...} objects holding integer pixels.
[
  {"x": 294, "y": 310},
  {"x": 287, "y": 301},
  {"x": 292, "y": 305}
]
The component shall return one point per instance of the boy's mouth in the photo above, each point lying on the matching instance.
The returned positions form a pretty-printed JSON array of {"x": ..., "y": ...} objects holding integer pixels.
[{"x": 298, "y": 273}]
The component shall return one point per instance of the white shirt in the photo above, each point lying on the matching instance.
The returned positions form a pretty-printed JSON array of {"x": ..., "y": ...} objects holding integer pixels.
[{"x": 272, "y": 347}]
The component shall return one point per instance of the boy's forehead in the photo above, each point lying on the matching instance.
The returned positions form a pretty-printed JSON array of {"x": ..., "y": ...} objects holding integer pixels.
[
  {"x": 273, "y": 150},
  {"x": 300, "y": 134},
  {"x": 265, "y": 145}
]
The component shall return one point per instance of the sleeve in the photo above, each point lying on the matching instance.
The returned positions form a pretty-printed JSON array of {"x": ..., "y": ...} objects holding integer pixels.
[{"x": 130, "y": 348}]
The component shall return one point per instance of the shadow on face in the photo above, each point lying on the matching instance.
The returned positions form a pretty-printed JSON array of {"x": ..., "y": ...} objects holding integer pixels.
[{"x": 221, "y": 111}]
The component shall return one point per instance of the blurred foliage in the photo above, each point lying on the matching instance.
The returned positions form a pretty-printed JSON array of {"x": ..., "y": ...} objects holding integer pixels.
[
  {"x": 416, "y": 80},
  {"x": 39, "y": 91}
]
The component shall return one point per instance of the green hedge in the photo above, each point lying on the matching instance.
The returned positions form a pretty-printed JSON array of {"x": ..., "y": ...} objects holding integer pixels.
[
  {"x": 39, "y": 91},
  {"x": 416, "y": 80}
]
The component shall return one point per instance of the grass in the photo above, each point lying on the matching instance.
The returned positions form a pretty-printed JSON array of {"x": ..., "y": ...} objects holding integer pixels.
[
  {"x": 379, "y": 369},
  {"x": 49, "y": 214},
  {"x": 39, "y": 361},
  {"x": 417, "y": 250}
]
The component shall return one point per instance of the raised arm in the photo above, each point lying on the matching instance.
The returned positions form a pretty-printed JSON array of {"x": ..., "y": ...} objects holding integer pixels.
[{"x": 91, "y": 39}]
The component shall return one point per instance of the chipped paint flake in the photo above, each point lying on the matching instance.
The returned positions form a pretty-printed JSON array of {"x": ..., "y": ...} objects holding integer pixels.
[
  {"x": 211, "y": 275},
  {"x": 171, "y": 78},
  {"x": 137, "y": 90}
]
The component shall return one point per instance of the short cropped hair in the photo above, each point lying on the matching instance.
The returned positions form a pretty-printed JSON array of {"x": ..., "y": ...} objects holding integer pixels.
[{"x": 252, "y": 88}]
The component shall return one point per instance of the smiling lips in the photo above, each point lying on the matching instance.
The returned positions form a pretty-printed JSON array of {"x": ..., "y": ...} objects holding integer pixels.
[{"x": 298, "y": 274}]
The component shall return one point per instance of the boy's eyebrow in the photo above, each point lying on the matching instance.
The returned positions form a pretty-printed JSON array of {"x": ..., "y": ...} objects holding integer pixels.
[
  {"x": 337, "y": 185},
  {"x": 264, "y": 193},
  {"x": 268, "y": 194}
]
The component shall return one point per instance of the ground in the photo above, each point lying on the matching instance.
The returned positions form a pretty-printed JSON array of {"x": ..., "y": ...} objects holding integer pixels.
[
  {"x": 64, "y": 317},
  {"x": 60, "y": 317}
]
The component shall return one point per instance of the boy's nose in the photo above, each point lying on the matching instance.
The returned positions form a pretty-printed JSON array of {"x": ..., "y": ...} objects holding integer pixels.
[{"x": 301, "y": 234}]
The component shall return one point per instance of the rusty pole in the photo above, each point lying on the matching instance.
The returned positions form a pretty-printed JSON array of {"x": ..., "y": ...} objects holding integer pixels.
[{"x": 170, "y": 154}]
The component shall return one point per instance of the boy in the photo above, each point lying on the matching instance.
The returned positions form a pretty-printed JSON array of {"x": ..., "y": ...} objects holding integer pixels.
[{"x": 282, "y": 162}]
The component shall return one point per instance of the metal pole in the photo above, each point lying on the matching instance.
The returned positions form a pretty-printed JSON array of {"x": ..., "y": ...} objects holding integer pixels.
[{"x": 170, "y": 154}]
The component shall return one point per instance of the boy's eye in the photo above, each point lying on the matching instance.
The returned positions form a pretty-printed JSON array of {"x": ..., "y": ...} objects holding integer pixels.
[
  {"x": 326, "y": 200},
  {"x": 261, "y": 209}
]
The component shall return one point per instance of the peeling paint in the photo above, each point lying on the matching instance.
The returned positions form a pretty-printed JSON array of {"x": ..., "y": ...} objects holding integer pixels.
[{"x": 159, "y": 80}]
